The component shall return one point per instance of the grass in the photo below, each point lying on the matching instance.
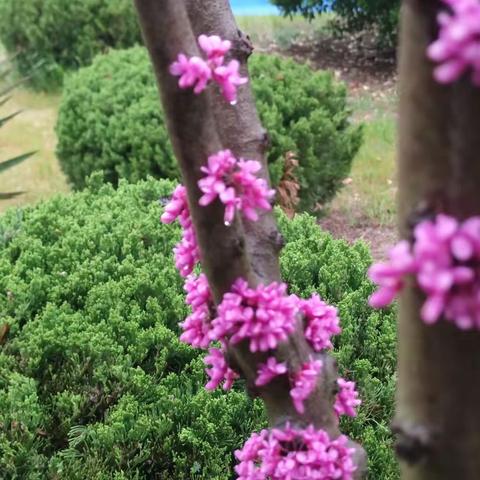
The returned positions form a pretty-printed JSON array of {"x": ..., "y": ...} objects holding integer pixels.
[
  {"x": 371, "y": 193},
  {"x": 372, "y": 190},
  {"x": 39, "y": 176}
]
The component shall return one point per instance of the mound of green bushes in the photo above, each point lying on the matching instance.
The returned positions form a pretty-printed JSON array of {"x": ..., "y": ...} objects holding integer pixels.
[
  {"x": 110, "y": 119},
  {"x": 52, "y": 37},
  {"x": 94, "y": 382}
]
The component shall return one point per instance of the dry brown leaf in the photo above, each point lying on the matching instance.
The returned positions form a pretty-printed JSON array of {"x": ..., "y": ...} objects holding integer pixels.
[
  {"x": 4, "y": 329},
  {"x": 289, "y": 186}
]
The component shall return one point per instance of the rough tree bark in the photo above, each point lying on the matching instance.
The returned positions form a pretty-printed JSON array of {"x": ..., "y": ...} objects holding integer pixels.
[
  {"x": 438, "y": 415},
  {"x": 200, "y": 126}
]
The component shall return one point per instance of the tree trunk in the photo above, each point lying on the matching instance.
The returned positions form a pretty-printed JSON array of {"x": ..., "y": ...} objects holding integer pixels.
[
  {"x": 200, "y": 126},
  {"x": 438, "y": 415}
]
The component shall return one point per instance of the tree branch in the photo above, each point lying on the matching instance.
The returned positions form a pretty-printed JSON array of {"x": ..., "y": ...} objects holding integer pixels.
[
  {"x": 202, "y": 125},
  {"x": 240, "y": 129},
  {"x": 191, "y": 125}
]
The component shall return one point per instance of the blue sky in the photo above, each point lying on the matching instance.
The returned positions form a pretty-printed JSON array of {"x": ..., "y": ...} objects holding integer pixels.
[{"x": 253, "y": 7}]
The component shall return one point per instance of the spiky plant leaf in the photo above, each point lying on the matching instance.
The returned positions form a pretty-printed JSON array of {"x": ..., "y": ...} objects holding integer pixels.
[
  {"x": 7, "y": 118},
  {"x": 9, "y": 195},
  {"x": 3, "y": 101},
  {"x": 12, "y": 162}
]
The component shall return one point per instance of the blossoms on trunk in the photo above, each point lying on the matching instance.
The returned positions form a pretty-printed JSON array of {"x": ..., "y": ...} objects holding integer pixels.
[
  {"x": 444, "y": 259},
  {"x": 457, "y": 49},
  {"x": 262, "y": 317},
  {"x": 235, "y": 183},
  {"x": 197, "y": 73},
  {"x": 295, "y": 454}
]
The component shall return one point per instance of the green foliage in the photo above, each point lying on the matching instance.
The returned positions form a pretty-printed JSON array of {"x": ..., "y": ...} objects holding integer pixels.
[
  {"x": 62, "y": 35},
  {"x": 305, "y": 112},
  {"x": 356, "y": 14},
  {"x": 110, "y": 119},
  {"x": 94, "y": 382}
]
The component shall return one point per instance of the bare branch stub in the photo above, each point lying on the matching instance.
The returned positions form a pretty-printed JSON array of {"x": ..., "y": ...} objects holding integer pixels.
[{"x": 413, "y": 443}]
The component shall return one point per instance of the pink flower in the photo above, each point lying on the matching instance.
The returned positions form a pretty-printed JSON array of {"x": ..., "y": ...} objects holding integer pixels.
[
  {"x": 218, "y": 171},
  {"x": 228, "y": 78},
  {"x": 269, "y": 370},
  {"x": 347, "y": 399},
  {"x": 390, "y": 276},
  {"x": 445, "y": 260},
  {"x": 196, "y": 327},
  {"x": 196, "y": 72},
  {"x": 322, "y": 322},
  {"x": 457, "y": 48},
  {"x": 177, "y": 207},
  {"x": 193, "y": 72},
  {"x": 198, "y": 291},
  {"x": 235, "y": 184},
  {"x": 265, "y": 315},
  {"x": 304, "y": 383},
  {"x": 253, "y": 192},
  {"x": 219, "y": 371},
  {"x": 187, "y": 253},
  {"x": 294, "y": 454},
  {"x": 447, "y": 254},
  {"x": 215, "y": 48}
]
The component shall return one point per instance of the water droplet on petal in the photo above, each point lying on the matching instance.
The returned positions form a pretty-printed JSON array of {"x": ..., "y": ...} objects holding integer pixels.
[{"x": 233, "y": 102}]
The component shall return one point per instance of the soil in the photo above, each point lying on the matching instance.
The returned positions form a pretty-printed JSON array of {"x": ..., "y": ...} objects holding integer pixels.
[
  {"x": 354, "y": 58},
  {"x": 378, "y": 237},
  {"x": 367, "y": 70}
]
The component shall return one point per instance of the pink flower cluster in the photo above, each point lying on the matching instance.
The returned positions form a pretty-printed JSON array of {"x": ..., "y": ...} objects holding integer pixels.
[
  {"x": 322, "y": 322},
  {"x": 186, "y": 252},
  {"x": 196, "y": 327},
  {"x": 265, "y": 316},
  {"x": 294, "y": 454},
  {"x": 219, "y": 371},
  {"x": 390, "y": 276},
  {"x": 196, "y": 72},
  {"x": 304, "y": 383},
  {"x": 269, "y": 370},
  {"x": 445, "y": 260},
  {"x": 458, "y": 47},
  {"x": 236, "y": 184},
  {"x": 347, "y": 399}
]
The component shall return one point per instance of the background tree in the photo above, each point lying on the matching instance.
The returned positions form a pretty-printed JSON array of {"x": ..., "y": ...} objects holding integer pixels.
[{"x": 438, "y": 420}]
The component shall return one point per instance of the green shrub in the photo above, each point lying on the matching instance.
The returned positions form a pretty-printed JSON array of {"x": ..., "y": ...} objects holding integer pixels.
[
  {"x": 312, "y": 261},
  {"x": 62, "y": 35},
  {"x": 357, "y": 15},
  {"x": 110, "y": 119},
  {"x": 94, "y": 382}
]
